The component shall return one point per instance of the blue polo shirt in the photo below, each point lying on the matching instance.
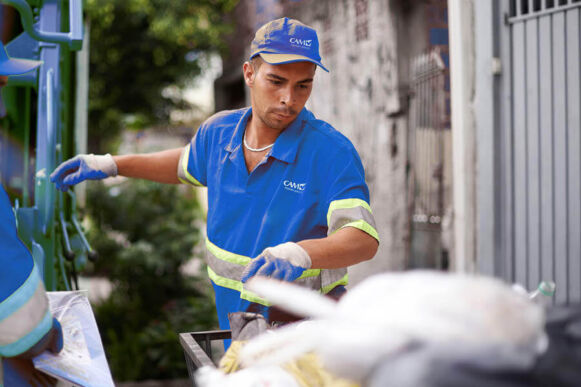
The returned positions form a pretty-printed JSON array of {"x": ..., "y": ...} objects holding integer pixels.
[{"x": 309, "y": 185}]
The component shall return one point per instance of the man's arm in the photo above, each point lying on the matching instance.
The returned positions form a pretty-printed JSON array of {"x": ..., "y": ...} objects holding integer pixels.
[
  {"x": 160, "y": 166},
  {"x": 289, "y": 260},
  {"x": 348, "y": 246},
  {"x": 352, "y": 237}
]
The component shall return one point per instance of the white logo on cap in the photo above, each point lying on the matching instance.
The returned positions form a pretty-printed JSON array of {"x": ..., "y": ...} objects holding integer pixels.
[{"x": 301, "y": 42}]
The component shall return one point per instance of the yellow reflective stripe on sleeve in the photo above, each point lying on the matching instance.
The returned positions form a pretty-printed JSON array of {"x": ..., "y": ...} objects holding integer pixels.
[
  {"x": 342, "y": 281},
  {"x": 185, "y": 161},
  {"x": 236, "y": 285},
  {"x": 183, "y": 181},
  {"x": 346, "y": 203},
  {"x": 363, "y": 226},
  {"x": 242, "y": 260}
]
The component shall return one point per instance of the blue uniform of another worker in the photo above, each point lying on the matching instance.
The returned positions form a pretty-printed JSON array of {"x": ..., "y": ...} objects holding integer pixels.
[
  {"x": 26, "y": 324},
  {"x": 24, "y": 315},
  {"x": 309, "y": 185}
]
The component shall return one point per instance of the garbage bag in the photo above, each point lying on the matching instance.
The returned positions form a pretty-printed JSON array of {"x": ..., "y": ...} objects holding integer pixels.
[{"x": 386, "y": 313}]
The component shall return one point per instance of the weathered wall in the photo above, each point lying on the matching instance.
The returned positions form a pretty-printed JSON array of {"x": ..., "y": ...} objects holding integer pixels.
[
  {"x": 358, "y": 97},
  {"x": 366, "y": 46}
]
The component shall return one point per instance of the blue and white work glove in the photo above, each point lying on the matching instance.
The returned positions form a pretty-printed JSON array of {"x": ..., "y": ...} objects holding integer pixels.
[
  {"x": 285, "y": 262},
  {"x": 81, "y": 168}
]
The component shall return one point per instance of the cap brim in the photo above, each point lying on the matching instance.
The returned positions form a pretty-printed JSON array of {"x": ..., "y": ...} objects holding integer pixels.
[
  {"x": 18, "y": 66},
  {"x": 288, "y": 58}
]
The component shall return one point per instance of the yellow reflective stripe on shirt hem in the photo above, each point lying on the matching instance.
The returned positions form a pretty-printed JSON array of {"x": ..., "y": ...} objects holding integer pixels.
[
  {"x": 249, "y": 296},
  {"x": 236, "y": 285},
  {"x": 342, "y": 281},
  {"x": 185, "y": 161},
  {"x": 346, "y": 203},
  {"x": 363, "y": 226},
  {"x": 226, "y": 255},
  {"x": 242, "y": 260}
]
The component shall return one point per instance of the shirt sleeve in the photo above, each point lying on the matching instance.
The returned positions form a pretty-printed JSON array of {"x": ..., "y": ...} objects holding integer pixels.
[
  {"x": 348, "y": 198},
  {"x": 193, "y": 160}
]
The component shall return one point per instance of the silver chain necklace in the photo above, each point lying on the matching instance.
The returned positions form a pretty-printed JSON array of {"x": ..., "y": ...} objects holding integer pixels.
[{"x": 255, "y": 149}]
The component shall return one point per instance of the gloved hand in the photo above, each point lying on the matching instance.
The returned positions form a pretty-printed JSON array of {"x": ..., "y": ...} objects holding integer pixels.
[
  {"x": 83, "y": 167},
  {"x": 52, "y": 341},
  {"x": 286, "y": 262}
]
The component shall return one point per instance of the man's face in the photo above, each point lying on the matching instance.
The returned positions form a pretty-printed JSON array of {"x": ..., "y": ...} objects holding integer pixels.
[
  {"x": 3, "y": 81},
  {"x": 279, "y": 92}
]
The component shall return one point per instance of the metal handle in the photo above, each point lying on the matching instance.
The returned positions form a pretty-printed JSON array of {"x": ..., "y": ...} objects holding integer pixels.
[
  {"x": 69, "y": 254},
  {"x": 92, "y": 254},
  {"x": 74, "y": 38}
]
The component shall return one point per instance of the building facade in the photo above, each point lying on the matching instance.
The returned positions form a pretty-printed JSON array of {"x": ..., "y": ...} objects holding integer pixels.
[{"x": 516, "y": 95}]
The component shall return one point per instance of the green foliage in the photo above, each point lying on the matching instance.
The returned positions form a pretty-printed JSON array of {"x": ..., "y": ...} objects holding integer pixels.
[
  {"x": 139, "y": 47},
  {"x": 144, "y": 233}
]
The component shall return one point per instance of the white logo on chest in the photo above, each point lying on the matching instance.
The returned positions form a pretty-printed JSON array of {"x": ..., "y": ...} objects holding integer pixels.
[{"x": 293, "y": 186}]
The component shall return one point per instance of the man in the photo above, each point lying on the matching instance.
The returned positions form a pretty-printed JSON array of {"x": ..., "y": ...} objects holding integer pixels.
[
  {"x": 286, "y": 192},
  {"x": 26, "y": 325}
]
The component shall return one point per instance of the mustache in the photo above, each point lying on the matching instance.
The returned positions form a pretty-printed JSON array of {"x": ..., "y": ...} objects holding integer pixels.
[{"x": 284, "y": 111}]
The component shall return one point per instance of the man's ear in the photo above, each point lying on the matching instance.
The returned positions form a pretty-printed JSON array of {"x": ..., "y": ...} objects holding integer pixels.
[{"x": 248, "y": 72}]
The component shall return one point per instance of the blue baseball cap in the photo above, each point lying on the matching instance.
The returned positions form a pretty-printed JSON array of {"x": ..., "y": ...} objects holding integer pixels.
[
  {"x": 285, "y": 41},
  {"x": 13, "y": 66}
]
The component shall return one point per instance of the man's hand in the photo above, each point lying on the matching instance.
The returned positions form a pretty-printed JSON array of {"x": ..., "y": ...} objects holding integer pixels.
[
  {"x": 285, "y": 262},
  {"x": 52, "y": 341},
  {"x": 21, "y": 366},
  {"x": 81, "y": 168}
]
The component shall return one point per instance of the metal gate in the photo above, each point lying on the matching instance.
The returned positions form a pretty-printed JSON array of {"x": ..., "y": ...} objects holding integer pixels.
[
  {"x": 429, "y": 154},
  {"x": 541, "y": 144}
]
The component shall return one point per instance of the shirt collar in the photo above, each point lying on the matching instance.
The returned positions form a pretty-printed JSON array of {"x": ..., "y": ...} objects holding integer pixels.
[
  {"x": 286, "y": 145},
  {"x": 236, "y": 140}
]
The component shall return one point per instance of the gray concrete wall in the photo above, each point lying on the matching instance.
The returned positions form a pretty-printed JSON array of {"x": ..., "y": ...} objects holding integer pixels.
[{"x": 365, "y": 97}]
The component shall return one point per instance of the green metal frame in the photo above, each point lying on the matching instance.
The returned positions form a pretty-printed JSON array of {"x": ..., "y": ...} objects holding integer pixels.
[{"x": 47, "y": 220}]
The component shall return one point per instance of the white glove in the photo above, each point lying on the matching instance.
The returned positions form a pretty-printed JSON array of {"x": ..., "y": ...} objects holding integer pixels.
[
  {"x": 291, "y": 252},
  {"x": 83, "y": 167},
  {"x": 286, "y": 262}
]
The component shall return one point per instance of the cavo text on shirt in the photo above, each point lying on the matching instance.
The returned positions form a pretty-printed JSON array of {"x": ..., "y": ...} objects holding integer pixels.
[{"x": 291, "y": 185}]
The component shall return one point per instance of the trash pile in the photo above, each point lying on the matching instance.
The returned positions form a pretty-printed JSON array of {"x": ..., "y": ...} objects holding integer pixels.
[{"x": 415, "y": 328}]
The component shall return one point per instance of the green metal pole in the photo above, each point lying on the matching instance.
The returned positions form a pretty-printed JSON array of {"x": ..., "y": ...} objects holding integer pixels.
[{"x": 26, "y": 145}]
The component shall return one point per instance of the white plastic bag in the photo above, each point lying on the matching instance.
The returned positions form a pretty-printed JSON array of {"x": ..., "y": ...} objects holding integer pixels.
[
  {"x": 387, "y": 312},
  {"x": 82, "y": 360}
]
